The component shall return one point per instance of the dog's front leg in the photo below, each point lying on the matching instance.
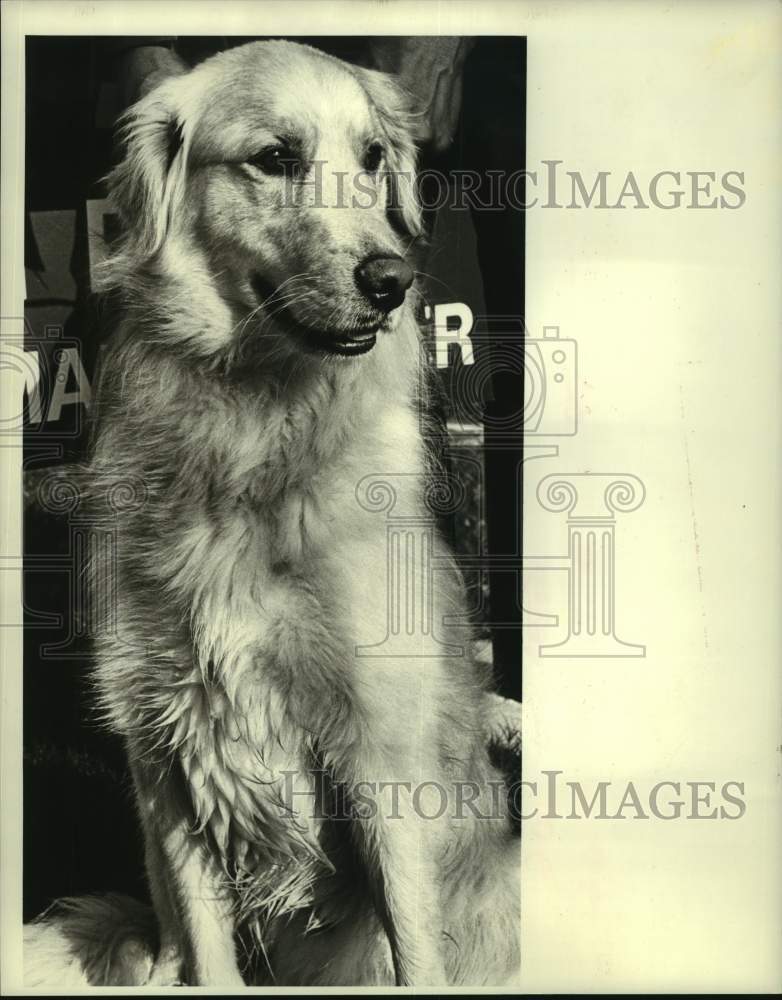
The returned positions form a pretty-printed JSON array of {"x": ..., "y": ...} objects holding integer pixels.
[
  {"x": 193, "y": 905},
  {"x": 168, "y": 969},
  {"x": 408, "y": 892},
  {"x": 402, "y": 851}
]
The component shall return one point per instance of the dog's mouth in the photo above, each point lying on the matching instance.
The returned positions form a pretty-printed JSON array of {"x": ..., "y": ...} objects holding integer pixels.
[
  {"x": 345, "y": 342},
  {"x": 348, "y": 343}
]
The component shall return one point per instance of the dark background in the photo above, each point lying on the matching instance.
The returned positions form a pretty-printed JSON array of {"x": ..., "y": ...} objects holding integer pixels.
[{"x": 80, "y": 831}]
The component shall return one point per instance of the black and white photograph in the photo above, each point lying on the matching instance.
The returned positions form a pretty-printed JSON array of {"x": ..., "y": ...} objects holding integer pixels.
[
  {"x": 389, "y": 572},
  {"x": 278, "y": 683}
]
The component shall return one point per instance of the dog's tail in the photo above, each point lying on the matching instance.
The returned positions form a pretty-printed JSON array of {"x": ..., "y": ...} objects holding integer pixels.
[{"x": 90, "y": 941}]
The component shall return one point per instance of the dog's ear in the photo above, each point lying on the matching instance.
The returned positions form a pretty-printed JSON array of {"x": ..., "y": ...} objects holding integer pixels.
[
  {"x": 394, "y": 109},
  {"x": 147, "y": 185}
]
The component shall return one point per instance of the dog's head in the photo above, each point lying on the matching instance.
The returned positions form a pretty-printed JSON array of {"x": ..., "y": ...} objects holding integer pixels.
[{"x": 284, "y": 178}]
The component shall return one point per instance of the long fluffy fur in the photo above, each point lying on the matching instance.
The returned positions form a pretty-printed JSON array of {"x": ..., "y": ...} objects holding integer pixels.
[
  {"x": 242, "y": 573},
  {"x": 91, "y": 941}
]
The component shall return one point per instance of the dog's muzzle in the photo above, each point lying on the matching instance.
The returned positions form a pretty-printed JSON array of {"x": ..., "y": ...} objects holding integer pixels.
[{"x": 383, "y": 282}]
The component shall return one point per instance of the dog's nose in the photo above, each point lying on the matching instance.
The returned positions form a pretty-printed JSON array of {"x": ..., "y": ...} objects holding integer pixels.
[{"x": 384, "y": 281}]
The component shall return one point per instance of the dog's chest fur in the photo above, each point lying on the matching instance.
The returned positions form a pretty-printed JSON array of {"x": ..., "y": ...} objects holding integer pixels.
[{"x": 283, "y": 573}]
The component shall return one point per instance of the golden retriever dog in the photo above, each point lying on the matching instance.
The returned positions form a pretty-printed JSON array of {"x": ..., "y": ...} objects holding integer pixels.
[{"x": 318, "y": 806}]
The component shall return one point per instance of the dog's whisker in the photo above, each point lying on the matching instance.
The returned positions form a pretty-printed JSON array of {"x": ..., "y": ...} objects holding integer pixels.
[
  {"x": 433, "y": 277},
  {"x": 281, "y": 305}
]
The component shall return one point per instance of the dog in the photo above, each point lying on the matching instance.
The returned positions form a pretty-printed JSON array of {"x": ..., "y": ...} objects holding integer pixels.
[{"x": 312, "y": 778}]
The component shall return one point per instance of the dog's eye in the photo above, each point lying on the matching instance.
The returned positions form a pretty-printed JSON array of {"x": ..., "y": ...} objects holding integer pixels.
[
  {"x": 373, "y": 157},
  {"x": 277, "y": 160}
]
